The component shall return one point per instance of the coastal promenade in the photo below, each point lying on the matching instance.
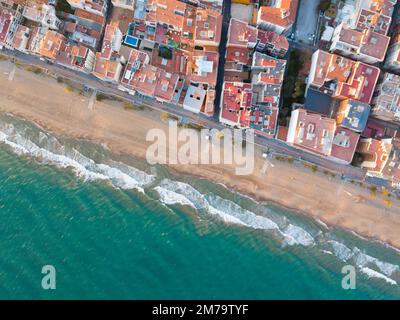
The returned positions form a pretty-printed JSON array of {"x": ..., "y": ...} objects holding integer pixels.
[{"x": 272, "y": 145}]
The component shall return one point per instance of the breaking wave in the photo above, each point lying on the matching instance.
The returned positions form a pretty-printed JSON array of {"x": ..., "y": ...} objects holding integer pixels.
[
  {"x": 179, "y": 190},
  {"x": 362, "y": 259},
  {"x": 228, "y": 210},
  {"x": 296, "y": 235},
  {"x": 341, "y": 251},
  {"x": 367, "y": 264},
  {"x": 374, "y": 274},
  {"x": 175, "y": 192},
  {"x": 171, "y": 197},
  {"x": 49, "y": 150}
]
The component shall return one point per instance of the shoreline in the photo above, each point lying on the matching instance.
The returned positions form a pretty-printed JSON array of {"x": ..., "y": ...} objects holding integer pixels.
[
  {"x": 301, "y": 213},
  {"x": 292, "y": 186}
]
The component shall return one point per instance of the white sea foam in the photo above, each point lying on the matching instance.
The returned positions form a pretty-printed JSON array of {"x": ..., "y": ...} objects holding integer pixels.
[
  {"x": 363, "y": 259},
  {"x": 230, "y": 210},
  {"x": 341, "y": 251},
  {"x": 322, "y": 223},
  {"x": 296, "y": 235},
  {"x": 387, "y": 268},
  {"x": 23, "y": 146},
  {"x": 227, "y": 218},
  {"x": 226, "y": 210},
  {"x": 170, "y": 197},
  {"x": 143, "y": 178},
  {"x": 187, "y": 191},
  {"x": 54, "y": 153},
  {"x": 48, "y": 149},
  {"x": 118, "y": 178},
  {"x": 374, "y": 274},
  {"x": 173, "y": 192}
]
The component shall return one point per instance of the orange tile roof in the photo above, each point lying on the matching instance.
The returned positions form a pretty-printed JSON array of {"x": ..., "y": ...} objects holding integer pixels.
[
  {"x": 208, "y": 26},
  {"x": 240, "y": 55},
  {"x": 204, "y": 67},
  {"x": 279, "y": 42},
  {"x": 236, "y": 103},
  {"x": 240, "y": 33},
  {"x": 147, "y": 79},
  {"x": 20, "y": 34},
  {"x": 264, "y": 119},
  {"x": 90, "y": 16},
  {"x": 180, "y": 62},
  {"x": 282, "y": 133},
  {"x": 283, "y": 13},
  {"x": 106, "y": 69},
  {"x": 99, "y": 6},
  {"x": 368, "y": 42},
  {"x": 170, "y": 12},
  {"x": 368, "y": 19},
  {"x": 51, "y": 44},
  {"x": 6, "y": 18},
  {"x": 384, "y": 7},
  {"x": 344, "y": 144},
  {"x": 166, "y": 85},
  {"x": 209, "y": 105},
  {"x": 72, "y": 55},
  {"x": 109, "y": 35},
  {"x": 347, "y": 78}
]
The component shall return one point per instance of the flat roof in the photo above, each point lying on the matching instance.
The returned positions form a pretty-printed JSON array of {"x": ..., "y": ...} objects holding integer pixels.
[
  {"x": 353, "y": 114},
  {"x": 194, "y": 98}
]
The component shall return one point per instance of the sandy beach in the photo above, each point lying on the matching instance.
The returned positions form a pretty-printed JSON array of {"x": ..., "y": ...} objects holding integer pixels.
[{"x": 40, "y": 99}]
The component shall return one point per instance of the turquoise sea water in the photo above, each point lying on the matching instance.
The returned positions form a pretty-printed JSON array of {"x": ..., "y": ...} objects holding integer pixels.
[{"x": 116, "y": 228}]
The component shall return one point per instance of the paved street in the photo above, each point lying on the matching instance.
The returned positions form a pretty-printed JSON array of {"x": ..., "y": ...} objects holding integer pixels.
[
  {"x": 221, "y": 50},
  {"x": 307, "y": 19}
]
